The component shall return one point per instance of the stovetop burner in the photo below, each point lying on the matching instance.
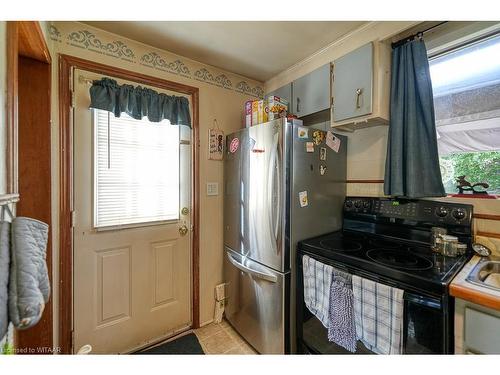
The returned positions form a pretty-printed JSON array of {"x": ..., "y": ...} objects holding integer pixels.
[
  {"x": 386, "y": 244},
  {"x": 341, "y": 244},
  {"x": 400, "y": 258}
]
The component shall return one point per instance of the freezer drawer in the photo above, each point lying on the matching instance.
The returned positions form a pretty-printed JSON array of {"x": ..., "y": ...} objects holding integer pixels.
[{"x": 257, "y": 304}]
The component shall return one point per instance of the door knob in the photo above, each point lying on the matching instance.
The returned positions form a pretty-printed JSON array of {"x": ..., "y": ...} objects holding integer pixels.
[{"x": 183, "y": 230}]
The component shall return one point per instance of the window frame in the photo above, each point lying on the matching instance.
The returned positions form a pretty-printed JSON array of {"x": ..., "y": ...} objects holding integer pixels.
[
  {"x": 119, "y": 227},
  {"x": 440, "y": 53}
]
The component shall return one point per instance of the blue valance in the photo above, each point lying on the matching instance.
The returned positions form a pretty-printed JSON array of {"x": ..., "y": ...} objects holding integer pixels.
[
  {"x": 139, "y": 102},
  {"x": 412, "y": 165}
]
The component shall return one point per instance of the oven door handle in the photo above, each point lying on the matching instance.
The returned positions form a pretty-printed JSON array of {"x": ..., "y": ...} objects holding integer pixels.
[{"x": 421, "y": 300}]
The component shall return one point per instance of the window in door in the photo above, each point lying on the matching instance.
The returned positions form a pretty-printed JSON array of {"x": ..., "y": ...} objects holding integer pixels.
[
  {"x": 466, "y": 87},
  {"x": 136, "y": 171}
]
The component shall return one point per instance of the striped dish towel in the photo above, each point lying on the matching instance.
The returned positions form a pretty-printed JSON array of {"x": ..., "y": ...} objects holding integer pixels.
[
  {"x": 342, "y": 328},
  {"x": 378, "y": 311},
  {"x": 317, "y": 281}
]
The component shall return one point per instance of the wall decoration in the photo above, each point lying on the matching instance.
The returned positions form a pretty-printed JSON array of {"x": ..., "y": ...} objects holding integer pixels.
[
  {"x": 243, "y": 87},
  {"x": 215, "y": 142},
  {"x": 88, "y": 40},
  {"x": 180, "y": 68},
  {"x": 154, "y": 60},
  {"x": 221, "y": 80},
  {"x": 82, "y": 36},
  {"x": 203, "y": 75},
  {"x": 54, "y": 34}
]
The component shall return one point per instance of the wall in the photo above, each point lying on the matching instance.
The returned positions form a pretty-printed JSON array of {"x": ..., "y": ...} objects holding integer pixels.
[
  {"x": 221, "y": 96},
  {"x": 367, "y": 147}
]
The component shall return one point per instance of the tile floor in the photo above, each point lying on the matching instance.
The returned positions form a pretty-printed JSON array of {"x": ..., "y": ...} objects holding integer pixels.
[{"x": 222, "y": 339}]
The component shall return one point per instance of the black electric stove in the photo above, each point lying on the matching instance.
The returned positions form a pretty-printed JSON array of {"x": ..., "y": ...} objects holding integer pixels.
[
  {"x": 410, "y": 263},
  {"x": 391, "y": 238},
  {"x": 388, "y": 240}
]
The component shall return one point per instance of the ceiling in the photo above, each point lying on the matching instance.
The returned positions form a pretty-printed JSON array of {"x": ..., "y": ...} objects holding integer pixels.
[{"x": 255, "y": 49}]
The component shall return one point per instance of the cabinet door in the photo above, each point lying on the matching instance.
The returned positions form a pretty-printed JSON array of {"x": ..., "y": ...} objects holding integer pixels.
[
  {"x": 311, "y": 93},
  {"x": 284, "y": 92},
  {"x": 353, "y": 83}
]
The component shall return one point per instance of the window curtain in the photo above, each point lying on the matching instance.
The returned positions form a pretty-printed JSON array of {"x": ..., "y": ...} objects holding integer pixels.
[
  {"x": 139, "y": 102},
  {"x": 412, "y": 165}
]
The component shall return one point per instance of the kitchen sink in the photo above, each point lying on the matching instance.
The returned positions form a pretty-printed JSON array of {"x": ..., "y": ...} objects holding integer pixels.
[{"x": 486, "y": 273}]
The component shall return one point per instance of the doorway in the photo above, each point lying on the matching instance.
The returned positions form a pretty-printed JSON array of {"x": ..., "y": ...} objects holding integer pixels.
[
  {"x": 131, "y": 237},
  {"x": 118, "y": 259}
]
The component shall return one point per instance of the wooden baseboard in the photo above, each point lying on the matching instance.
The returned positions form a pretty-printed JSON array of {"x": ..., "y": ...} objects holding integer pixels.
[
  {"x": 487, "y": 234},
  {"x": 486, "y": 217}
]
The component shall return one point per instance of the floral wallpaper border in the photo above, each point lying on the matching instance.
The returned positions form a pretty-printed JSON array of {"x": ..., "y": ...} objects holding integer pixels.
[{"x": 88, "y": 40}]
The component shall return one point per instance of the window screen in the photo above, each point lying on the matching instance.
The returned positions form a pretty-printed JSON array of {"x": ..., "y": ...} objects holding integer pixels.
[
  {"x": 466, "y": 87},
  {"x": 136, "y": 170}
]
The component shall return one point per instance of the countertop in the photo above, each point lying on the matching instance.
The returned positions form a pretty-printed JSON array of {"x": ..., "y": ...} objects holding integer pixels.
[{"x": 461, "y": 288}]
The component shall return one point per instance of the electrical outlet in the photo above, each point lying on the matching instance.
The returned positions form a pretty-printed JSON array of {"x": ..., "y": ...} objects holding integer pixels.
[{"x": 212, "y": 188}]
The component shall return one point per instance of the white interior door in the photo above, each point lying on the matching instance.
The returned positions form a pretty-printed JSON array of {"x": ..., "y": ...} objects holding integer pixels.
[{"x": 131, "y": 260}]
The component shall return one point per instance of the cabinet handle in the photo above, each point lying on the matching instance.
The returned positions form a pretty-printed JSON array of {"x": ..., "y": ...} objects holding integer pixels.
[
  {"x": 358, "y": 94},
  {"x": 298, "y": 102}
]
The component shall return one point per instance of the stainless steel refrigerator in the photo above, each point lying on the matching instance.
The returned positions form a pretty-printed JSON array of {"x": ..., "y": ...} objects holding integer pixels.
[{"x": 283, "y": 182}]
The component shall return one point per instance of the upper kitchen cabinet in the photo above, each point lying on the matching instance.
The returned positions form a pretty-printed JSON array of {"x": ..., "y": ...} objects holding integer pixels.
[
  {"x": 311, "y": 93},
  {"x": 284, "y": 92},
  {"x": 361, "y": 86}
]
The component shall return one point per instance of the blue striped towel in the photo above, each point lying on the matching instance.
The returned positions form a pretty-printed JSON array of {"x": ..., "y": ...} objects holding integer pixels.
[
  {"x": 317, "y": 282},
  {"x": 342, "y": 328},
  {"x": 378, "y": 311}
]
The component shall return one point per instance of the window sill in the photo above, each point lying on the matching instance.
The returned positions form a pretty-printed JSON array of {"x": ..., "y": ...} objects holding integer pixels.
[{"x": 474, "y": 196}]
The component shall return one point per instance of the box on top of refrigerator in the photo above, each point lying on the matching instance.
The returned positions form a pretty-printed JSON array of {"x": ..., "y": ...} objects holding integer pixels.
[
  {"x": 259, "y": 114},
  {"x": 276, "y": 107},
  {"x": 248, "y": 113}
]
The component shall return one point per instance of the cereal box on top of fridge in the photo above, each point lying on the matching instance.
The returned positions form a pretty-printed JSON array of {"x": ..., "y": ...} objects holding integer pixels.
[
  {"x": 276, "y": 107},
  {"x": 255, "y": 112},
  {"x": 248, "y": 113},
  {"x": 262, "y": 115}
]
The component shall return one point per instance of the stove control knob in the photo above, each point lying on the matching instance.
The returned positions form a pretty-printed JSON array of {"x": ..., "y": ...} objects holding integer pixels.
[
  {"x": 441, "y": 211},
  {"x": 366, "y": 204},
  {"x": 357, "y": 204},
  {"x": 348, "y": 203},
  {"x": 459, "y": 214}
]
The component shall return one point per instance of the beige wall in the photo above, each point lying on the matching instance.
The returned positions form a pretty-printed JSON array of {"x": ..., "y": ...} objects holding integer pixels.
[
  {"x": 367, "y": 147},
  {"x": 215, "y": 101}
]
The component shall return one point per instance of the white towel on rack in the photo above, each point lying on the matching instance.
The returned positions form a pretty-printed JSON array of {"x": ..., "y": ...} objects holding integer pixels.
[
  {"x": 378, "y": 310},
  {"x": 317, "y": 281}
]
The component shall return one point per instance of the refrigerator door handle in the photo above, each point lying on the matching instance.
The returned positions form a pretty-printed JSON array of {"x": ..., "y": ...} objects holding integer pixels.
[
  {"x": 275, "y": 214},
  {"x": 258, "y": 274}
]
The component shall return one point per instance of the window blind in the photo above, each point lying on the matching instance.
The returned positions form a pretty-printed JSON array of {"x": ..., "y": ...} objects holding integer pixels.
[{"x": 136, "y": 170}]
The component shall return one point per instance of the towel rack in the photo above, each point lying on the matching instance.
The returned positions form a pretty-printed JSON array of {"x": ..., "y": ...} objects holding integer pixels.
[
  {"x": 5, "y": 201},
  {"x": 8, "y": 198}
]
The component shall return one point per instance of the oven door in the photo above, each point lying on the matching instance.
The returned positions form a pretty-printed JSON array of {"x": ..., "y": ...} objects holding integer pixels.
[
  {"x": 426, "y": 325},
  {"x": 312, "y": 336}
]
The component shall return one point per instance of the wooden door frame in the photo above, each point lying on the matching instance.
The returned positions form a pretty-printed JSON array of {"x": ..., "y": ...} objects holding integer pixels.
[
  {"x": 26, "y": 39},
  {"x": 67, "y": 64}
]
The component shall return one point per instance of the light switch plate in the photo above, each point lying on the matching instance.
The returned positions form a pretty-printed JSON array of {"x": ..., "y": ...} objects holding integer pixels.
[{"x": 212, "y": 188}]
